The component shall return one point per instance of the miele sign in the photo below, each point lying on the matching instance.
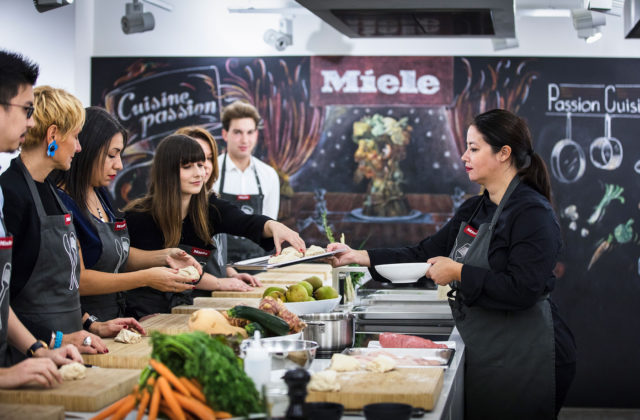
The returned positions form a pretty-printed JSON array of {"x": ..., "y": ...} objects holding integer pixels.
[{"x": 426, "y": 81}]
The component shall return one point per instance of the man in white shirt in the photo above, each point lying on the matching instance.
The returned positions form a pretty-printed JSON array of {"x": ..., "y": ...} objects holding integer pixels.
[{"x": 244, "y": 179}]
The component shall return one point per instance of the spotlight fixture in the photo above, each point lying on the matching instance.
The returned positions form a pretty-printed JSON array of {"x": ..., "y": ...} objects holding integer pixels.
[
  {"x": 46, "y": 5},
  {"x": 135, "y": 19},
  {"x": 610, "y": 7},
  {"x": 588, "y": 24},
  {"x": 504, "y": 43},
  {"x": 280, "y": 39}
]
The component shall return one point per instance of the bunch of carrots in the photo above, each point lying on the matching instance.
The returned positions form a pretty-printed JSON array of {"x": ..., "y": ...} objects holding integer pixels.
[{"x": 160, "y": 391}]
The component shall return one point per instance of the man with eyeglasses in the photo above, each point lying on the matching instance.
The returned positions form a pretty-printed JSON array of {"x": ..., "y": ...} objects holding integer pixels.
[{"x": 17, "y": 77}]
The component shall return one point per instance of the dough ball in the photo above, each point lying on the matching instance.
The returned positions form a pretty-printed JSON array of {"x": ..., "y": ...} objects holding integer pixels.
[
  {"x": 381, "y": 364},
  {"x": 326, "y": 380},
  {"x": 73, "y": 370},
  {"x": 344, "y": 363},
  {"x": 128, "y": 337},
  {"x": 314, "y": 250},
  {"x": 283, "y": 258},
  {"x": 189, "y": 272}
]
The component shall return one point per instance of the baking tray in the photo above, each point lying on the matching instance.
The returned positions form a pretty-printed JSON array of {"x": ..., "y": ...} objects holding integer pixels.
[
  {"x": 262, "y": 263},
  {"x": 404, "y": 310},
  {"x": 407, "y": 358}
]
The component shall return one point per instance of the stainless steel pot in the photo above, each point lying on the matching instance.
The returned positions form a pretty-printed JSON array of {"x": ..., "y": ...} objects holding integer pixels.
[{"x": 332, "y": 331}]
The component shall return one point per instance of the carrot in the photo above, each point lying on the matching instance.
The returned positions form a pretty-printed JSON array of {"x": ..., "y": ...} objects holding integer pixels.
[
  {"x": 222, "y": 415},
  {"x": 166, "y": 372},
  {"x": 196, "y": 407},
  {"x": 155, "y": 404},
  {"x": 195, "y": 392},
  {"x": 125, "y": 408},
  {"x": 170, "y": 397},
  {"x": 164, "y": 407},
  {"x": 110, "y": 410},
  {"x": 144, "y": 401},
  {"x": 195, "y": 382}
]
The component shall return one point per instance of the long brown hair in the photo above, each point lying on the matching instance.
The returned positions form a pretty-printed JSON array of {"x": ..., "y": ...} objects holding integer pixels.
[
  {"x": 164, "y": 196},
  {"x": 200, "y": 133}
]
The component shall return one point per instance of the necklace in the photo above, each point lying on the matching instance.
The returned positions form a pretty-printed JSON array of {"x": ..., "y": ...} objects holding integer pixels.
[{"x": 100, "y": 215}]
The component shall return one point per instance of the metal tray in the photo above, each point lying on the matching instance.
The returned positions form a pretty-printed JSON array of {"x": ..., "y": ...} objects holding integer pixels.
[
  {"x": 408, "y": 358},
  {"x": 404, "y": 310},
  {"x": 262, "y": 263}
]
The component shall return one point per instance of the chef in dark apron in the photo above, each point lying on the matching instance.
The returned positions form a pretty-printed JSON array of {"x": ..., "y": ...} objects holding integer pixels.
[{"x": 6, "y": 244}]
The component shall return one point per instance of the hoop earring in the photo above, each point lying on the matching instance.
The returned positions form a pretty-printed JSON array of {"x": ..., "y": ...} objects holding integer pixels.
[{"x": 51, "y": 149}]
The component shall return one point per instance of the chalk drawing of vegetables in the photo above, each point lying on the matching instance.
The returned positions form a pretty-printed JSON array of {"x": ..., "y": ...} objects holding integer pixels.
[
  {"x": 612, "y": 192},
  {"x": 622, "y": 234}
]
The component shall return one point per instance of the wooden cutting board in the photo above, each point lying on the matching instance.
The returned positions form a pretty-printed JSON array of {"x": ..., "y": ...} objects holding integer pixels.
[
  {"x": 283, "y": 279},
  {"x": 215, "y": 303},
  {"x": 419, "y": 387},
  {"x": 322, "y": 270},
  {"x": 124, "y": 356},
  {"x": 31, "y": 411},
  {"x": 256, "y": 292},
  {"x": 101, "y": 387},
  {"x": 167, "y": 323}
]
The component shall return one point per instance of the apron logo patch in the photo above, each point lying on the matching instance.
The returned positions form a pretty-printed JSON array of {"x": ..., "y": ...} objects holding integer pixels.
[
  {"x": 6, "y": 243},
  {"x": 67, "y": 219},
  {"x": 470, "y": 231},
  {"x": 200, "y": 251},
  {"x": 462, "y": 252},
  {"x": 243, "y": 197},
  {"x": 121, "y": 225}
]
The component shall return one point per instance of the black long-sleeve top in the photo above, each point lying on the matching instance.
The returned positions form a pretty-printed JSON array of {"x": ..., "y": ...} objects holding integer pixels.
[{"x": 522, "y": 255}]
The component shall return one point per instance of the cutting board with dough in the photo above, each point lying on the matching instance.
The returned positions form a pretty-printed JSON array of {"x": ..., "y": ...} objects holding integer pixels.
[
  {"x": 31, "y": 411},
  {"x": 101, "y": 387},
  {"x": 121, "y": 355},
  {"x": 215, "y": 303},
  {"x": 167, "y": 323},
  {"x": 419, "y": 387},
  {"x": 256, "y": 292}
]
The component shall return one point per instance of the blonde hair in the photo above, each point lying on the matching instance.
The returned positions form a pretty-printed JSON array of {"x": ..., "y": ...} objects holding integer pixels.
[
  {"x": 200, "y": 133},
  {"x": 53, "y": 107}
]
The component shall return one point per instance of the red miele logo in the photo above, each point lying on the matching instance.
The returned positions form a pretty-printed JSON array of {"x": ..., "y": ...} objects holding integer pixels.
[
  {"x": 243, "y": 197},
  {"x": 121, "y": 225},
  {"x": 470, "y": 231},
  {"x": 200, "y": 251},
  {"x": 67, "y": 219},
  {"x": 6, "y": 243}
]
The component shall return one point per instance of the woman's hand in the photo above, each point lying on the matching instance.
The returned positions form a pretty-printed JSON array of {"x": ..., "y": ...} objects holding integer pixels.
[
  {"x": 112, "y": 327},
  {"x": 280, "y": 233},
  {"x": 78, "y": 339},
  {"x": 167, "y": 280},
  {"x": 245, "y": 277},
  {"x": 61, "y": 356},
  {"x": 348, "y": 256},
  {"x": 233, "y": 284},
  {"x": 37, "y": 370},
  {"x": 444, "y": 270},
  {"x": 177, "y": 258}
]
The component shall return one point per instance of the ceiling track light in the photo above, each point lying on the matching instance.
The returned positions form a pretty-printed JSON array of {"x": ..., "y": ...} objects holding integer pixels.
[
  {"x": 588, "y": 24},
  {"x": 610, "y": 7},
  {"x": 136, "y": 20},
  {"x": 504, "y": 43},
  {"x": 46, "y": 5},
  {"x": 280, "y": 39}
]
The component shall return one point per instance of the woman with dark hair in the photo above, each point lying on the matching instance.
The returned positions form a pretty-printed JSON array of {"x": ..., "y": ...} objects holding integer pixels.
[
  {"x": 498, "y": 253},
  {"x": 109, "y": 265},
  {"x": 178, "y": 211}
]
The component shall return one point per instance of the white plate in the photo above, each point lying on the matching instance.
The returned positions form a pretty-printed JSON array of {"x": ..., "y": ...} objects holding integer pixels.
[
  {"x": 313, "y": 307},
  {"x": 404, "y": 272}
]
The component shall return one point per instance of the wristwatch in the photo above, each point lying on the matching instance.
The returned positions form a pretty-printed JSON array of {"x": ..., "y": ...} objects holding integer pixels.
[
  {"x": 31, "y": 351},
  {"x": 89, "y": 321}
]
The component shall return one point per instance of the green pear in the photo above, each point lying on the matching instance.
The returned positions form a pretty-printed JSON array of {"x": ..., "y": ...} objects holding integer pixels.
[
  {"x": 325, "y": 292},
  {"x": 307, "y": 286},
  {"x": 296, "y": 293},
  {"x": 272, "y": 289},
  {"x": 314, "y": 281}
]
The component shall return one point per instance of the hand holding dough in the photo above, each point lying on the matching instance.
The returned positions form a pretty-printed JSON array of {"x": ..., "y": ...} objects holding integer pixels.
[
  {"x": 189, "y": 272},
  {"x": 128, "y": 337}
]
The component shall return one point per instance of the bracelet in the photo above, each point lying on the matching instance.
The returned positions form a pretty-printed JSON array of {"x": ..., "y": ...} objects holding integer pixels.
[{"x": 58, "y": 342}]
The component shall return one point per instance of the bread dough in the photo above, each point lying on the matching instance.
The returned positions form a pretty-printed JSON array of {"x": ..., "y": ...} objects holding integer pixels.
[
  {"x": 189, "y": 272},
  {"x": 381, "y": 364},
  {"x": 344, "y": 363},
  {"x": 128, "y": 337},
  {"x": 73, "y": 370},
  {"x": 314, "y": 250},
  {"x": 283, "y": 258},
  {"x": 325, "y": 380},
  {"x": 291, "y": 250}
]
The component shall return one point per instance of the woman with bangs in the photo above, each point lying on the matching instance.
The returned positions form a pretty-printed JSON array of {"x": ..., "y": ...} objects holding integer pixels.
[
  {"x": 214, "y": 259},
  {"x": 178, "y": 211}
]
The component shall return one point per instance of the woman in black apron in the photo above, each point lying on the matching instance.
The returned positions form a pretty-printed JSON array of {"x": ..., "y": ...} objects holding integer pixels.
[
  {"x": 215, "y": 265},
  {"x": 177, "y": 211},
  {"x": 107, "y": 257},
  {"x": 498, "y": 253}
]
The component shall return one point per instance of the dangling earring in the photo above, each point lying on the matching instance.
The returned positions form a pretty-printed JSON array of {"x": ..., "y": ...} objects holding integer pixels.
[{"x": 51, "y": 149}]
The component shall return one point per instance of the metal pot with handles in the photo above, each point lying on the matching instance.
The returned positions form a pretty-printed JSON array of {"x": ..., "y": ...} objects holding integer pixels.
[{"x": 332, "y": 331}]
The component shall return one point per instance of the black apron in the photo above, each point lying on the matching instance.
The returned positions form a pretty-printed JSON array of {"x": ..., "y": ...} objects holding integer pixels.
[
  {"x": 6, "y": 245},
  {"x": 114, "y": 237},
  {"x": 50, "y": 297},
  {"x": 239, "y": 248},
  {"x": 510, "y": 355}
]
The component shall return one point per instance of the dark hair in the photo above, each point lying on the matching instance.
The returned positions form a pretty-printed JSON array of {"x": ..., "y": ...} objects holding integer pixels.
[
  {"x": 500, "y": 128},
  {"x": 95, "y": 138},
  {"x": 163, "y": 200},
  {"x": 15, "y": 72},
  {"x": 237, "y": 110},
  {"x": 202, "y": 134}
]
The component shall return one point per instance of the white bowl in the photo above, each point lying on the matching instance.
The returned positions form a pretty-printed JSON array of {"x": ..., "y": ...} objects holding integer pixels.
[
  {"x": 294, "y": 336},
  {"x": 403, "y": 273},
  {"x": 313, "y": 306}
]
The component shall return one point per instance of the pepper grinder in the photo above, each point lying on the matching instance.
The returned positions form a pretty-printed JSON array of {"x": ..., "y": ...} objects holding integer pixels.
[{"x": 297, "y": 380}]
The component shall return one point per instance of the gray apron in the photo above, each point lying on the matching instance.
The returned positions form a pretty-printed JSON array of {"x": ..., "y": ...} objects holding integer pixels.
[
  {"x": 50, "y": 297},
  {"x": 239, "y": 248},
  {"x": 510, "y": 355},
  {"x": 6, "y": 245},
  {"x": 114, "y": 237}
]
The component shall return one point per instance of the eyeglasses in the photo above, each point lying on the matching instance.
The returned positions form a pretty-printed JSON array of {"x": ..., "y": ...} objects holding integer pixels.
[{"x": 28, "y": 108}]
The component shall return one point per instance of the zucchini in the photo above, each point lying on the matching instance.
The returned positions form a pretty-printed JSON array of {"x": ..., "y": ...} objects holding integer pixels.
[
  {"x": 252, "y": 327},
  {"x": 271, "y": 323}
]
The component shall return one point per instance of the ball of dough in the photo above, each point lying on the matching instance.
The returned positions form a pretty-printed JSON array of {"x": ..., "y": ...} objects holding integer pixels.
[
  {"x": 189, "y": 272},
  {"x": 73, "y": 370}
]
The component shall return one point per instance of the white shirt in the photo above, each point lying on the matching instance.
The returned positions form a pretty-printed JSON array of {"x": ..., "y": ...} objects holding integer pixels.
[{"x": 244, "y": 182}]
